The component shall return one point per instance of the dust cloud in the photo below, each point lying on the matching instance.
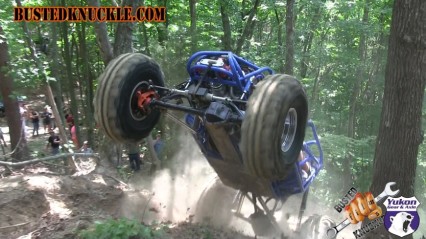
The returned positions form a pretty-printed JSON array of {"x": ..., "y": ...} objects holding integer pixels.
[
  {"x": 171, "y": 193},
  {"x": 187, "y": 189}
]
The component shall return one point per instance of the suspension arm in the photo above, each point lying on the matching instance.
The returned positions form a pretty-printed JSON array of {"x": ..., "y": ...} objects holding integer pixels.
[
  {"x": 186, "y": 109},
  {"x": 206, "y": 96}
]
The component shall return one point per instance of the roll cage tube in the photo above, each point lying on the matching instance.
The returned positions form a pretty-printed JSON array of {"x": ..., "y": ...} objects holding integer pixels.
[{"x": 240, "y": 79}]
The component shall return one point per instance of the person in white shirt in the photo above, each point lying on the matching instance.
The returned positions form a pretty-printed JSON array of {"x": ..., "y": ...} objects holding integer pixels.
[{"x": 85, "y": 148}]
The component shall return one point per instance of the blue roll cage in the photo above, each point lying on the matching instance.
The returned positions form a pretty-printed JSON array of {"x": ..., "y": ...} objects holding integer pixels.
[{"x": 242, "y": 81}]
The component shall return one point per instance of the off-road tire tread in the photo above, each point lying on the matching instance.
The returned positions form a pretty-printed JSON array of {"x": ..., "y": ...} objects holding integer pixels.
[
  {"x": 263, "y": 122},
  {"x": 109, "y": 90}
]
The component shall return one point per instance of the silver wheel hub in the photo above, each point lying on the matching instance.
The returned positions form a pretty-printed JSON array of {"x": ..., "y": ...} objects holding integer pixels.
[{"x": 289, "y": 131}]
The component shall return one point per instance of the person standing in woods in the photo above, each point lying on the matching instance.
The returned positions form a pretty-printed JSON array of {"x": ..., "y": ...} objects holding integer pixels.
[
  {"x": 52, "y": 117},
  {"x": 35, "y": 120},
  {"x": 134, "y": 157},
  {"x": 158, "y": 146},
  {"x": 70, "y": 120},
  {"x": 46, "y": 120},
  {"x": 54, "y": 141},
  {"x": 74, "y": 136},
  {"x": 85, "y": 148}
]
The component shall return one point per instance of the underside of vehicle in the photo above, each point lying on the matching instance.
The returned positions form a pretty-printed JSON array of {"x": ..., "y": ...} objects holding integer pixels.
[{"x": 248, "y": 122}]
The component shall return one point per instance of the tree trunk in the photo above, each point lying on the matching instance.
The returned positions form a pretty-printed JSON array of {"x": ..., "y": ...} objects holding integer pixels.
[
  {"x": 359, "y": 77},
  {"x": 400, "y": 132},
  {"x": 107, "y": 148},
  {"x": 49, "y": 93},
  {"x": 248, "y": 28},
  {"x": 55, "y": 66},
  {"x": 227, "y": 37},
  {"x": 162, "y": 28},
  {"x": 123, "y": 35},
  {"x": 304, "y": 63},
  {"x": 289, "y": 41},
  {"x": 57, "y": 108},
  {"x": 145, "y": 39},
  {"x": 18, "y": 141},
  {"x": 69, "y": 77},
  {"x": 88, "y": 82},
  {"x": 101, "y": 34},
  {"x": 193, "y": 27},
  {"x": 280, "y": 40}
]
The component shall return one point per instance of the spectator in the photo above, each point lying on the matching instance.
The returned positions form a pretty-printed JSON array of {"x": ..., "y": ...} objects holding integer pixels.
[
  {"x": 70, "y": 120},
  {"x": 85, "y": 148},
  {"x": 158, "y": 146},
  {"x": 74, "y": 137},
  {"x": 134, "y": 157},
  {"x": 35, "y": 120},
  {"x": 23, "y": 111},
  {"x": 2, "y": 138},
  {"x": 54, "y": 141},
  {"x": 52, "y": 117},
  {"x": 46, "y": 120}
]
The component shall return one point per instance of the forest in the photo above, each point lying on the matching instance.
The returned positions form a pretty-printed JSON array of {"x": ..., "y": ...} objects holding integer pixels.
[{"x": 364, "y": 77}]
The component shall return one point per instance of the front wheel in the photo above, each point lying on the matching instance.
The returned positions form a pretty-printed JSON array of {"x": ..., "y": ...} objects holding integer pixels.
[
  {"x": 274, "y": 126},
  {"x": 116, "y": 101}
]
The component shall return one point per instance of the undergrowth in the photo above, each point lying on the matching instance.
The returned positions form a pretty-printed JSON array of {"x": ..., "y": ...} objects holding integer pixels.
[{"x": 121, "y": 229}]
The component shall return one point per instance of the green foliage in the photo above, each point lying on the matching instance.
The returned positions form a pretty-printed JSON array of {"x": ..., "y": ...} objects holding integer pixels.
[
  {"x": 120, "y": 229},
  {"x": 337, "y": 148}
]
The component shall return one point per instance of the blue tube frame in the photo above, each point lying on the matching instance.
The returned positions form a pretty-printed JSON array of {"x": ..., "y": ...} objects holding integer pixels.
[
  {"x": 294, "y": 182},
  {"x": 239, "y": 79},
  {"x": 235, "y": 77}
]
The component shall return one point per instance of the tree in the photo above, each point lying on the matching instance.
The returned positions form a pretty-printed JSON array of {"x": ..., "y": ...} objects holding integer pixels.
[
  {"x": 400, "y": 126},
  {"x": 227, "y": 39},
  {"x": 101, "y": 34},
  {"x": 13, "y": 117},
  {"x": 193, "y": 27},
  {"x": 289, "y": 42},
  {"x": 248, "y": 28}
]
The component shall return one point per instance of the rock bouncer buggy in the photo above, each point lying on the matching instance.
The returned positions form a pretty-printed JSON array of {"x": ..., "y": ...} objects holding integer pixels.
[{"x": 248, "y": 121}]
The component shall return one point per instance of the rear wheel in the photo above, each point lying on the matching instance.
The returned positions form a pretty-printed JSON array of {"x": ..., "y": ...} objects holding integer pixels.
[
  {"x": 274, "y": 126},
  {"x": 116, "y": 100}
]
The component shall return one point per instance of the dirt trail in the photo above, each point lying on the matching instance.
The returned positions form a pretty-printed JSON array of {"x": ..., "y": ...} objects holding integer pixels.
[{"x": 39, "y": 202}]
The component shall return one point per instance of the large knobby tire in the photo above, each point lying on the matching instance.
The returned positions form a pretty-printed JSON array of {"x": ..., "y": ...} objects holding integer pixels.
[
  {"x": 273, "y": 129},
  {"x": 114, "y": 110}
]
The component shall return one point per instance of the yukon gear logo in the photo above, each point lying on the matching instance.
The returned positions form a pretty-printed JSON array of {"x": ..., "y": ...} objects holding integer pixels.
[{"x": 401, "y": 218}]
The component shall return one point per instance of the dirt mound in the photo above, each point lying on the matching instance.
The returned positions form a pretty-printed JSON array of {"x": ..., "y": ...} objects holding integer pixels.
[
  {"x": 20, "y": 207},
  {"x": 54, "y": 206}
]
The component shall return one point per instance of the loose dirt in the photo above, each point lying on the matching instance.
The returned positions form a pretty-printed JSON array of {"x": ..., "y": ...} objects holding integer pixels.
[{"x": 41, "y": 201}]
